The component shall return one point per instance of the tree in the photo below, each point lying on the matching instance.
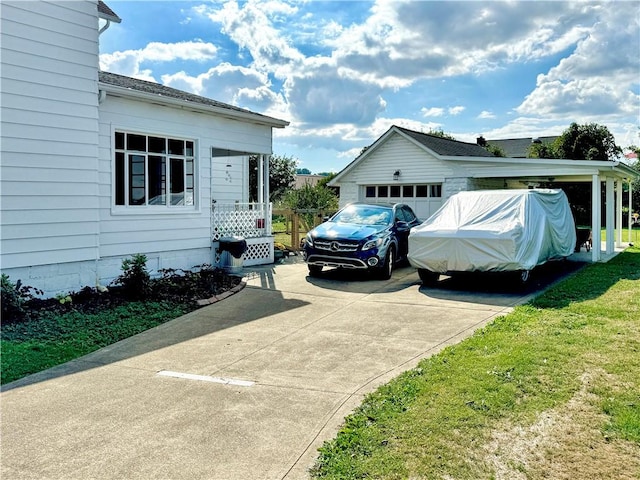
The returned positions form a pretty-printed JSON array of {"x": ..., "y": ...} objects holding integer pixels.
[
  {"x": 441, "y": 134},
  {"x": 495, "y": 150},
  {"x": 588, "y": 142},
  {"x": 542, "y": 150},
  {"x": 579, "y": 142},
  {"x": 282, "y": 176},
  {"x": 635, "y": 185},
  {"x": 303, "y": 171},
  {"x": 319, "y": 198}
]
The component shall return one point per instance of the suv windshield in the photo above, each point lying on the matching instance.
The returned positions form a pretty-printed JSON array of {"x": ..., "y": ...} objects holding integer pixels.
[{"x": 364, "y": 215}]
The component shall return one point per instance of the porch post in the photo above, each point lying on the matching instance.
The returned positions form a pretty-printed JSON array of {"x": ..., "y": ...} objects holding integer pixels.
[
  {"x": 265, "y": 176},
  {"x": 595, "y": 217},
  {"x": 265, "y": 199},
  {"x": 260, "y": 194},
  {"x": 618, "y": 213},
  {"x": 609, "y": 213}
]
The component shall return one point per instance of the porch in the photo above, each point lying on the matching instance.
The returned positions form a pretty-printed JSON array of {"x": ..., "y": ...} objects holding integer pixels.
[{"x": 252, "y": 221}]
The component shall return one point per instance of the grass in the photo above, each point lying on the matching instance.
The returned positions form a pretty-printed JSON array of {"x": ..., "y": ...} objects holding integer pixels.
[
  {"x": 551, "y": 390},
  {"x": 36, "y": 345},
  {"x": 633, "y": 237}
]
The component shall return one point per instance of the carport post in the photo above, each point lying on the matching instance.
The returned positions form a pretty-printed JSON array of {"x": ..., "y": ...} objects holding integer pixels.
[
  {"x": 630, "y": 210},
  {"x": 618, "y": 213},
  {"x": 596, "y": 213},
  {"x": 609, "y": 213}
]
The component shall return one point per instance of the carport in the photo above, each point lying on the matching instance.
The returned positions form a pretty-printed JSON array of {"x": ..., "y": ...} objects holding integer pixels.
[{"x": 534, "y": 173}]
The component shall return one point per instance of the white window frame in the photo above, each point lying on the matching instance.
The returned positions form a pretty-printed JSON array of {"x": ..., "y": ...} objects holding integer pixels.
[
  {"x": 166, "y": 207},
  {"x": 430, "y": 187}
]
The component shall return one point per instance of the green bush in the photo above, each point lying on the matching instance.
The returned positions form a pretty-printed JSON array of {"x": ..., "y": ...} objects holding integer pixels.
[
  {"x": 135, "y": 279},
  {"x": 14, "y": 298}
]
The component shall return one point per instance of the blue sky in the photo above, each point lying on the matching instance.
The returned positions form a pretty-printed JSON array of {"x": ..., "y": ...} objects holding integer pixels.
[{"x": 343, "y": 72}]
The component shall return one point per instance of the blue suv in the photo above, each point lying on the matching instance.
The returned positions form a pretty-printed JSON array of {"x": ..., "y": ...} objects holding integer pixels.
[{"x": 364, "y": 236}]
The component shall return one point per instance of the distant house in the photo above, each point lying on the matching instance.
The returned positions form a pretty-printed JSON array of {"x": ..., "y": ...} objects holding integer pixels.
[
  {"x": 97, "y": 167},
  {"x": 423, "y": 170},
  {"x": 312, "y": 180}
]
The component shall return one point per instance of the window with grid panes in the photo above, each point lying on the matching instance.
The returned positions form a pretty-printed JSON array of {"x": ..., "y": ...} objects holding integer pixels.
[{"x": 154, "y": 171}]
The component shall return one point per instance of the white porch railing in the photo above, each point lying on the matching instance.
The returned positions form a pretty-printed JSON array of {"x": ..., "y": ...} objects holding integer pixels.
[{"x": 248, "y": 220}]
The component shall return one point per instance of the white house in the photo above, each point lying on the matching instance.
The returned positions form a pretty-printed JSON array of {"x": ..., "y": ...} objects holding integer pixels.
[
  {"x": 423, "y": 170},
  {"x": 96, "y": 167}
]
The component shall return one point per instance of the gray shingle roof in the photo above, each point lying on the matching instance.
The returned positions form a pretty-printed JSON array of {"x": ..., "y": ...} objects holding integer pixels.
[
  {"x": 136, "y": 84},
  {"x": 105, "y": 12},
  {"x": 518, "y": 147},
  {"x": 445, "y": 146}
]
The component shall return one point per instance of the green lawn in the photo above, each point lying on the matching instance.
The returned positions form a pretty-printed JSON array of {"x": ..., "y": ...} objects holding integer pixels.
[
  {"x": 551, "y": 390},
  {"x": 40, "y": 344},
  {"x": 633, "y": 237}
]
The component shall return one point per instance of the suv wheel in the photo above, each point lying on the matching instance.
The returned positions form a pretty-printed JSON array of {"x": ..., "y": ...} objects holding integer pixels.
[
  {"x": 314, "y": 270},
  {"x": 387, "y": 268}
]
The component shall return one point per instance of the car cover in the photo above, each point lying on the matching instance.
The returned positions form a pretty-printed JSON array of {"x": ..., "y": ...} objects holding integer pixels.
[{"x": 494, "y": 230}]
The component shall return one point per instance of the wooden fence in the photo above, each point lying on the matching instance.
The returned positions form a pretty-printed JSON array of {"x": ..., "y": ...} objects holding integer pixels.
[{"x": 297, "y": 224}]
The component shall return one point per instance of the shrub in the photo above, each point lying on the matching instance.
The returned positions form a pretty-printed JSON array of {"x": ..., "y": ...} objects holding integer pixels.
[
  {"x": 14, "y": 299},
  {"x": 135, "y": 279}
]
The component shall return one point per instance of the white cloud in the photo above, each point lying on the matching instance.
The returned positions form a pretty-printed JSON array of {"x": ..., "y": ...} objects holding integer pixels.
[
  {"x": 250, "y": 26},
  {"x": 129, "y": 62},
  {"x": 240, "y": 86},
  {"x": 432, "y": 112},
  {"x": 485, "y": 114},
  {"x": 596, "y": 81},
  {"x": 339, "y": 71}
]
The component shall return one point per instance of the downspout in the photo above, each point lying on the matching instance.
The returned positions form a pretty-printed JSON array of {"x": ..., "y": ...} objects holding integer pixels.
[{"x": 106, "y": 25}]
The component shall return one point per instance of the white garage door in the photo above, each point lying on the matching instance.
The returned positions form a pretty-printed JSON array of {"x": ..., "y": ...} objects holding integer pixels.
[{"x": 424, "y": 199}]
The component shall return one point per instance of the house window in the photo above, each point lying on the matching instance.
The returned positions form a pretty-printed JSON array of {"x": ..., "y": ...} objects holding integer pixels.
[
  {"x": 394, "y": 191},
  {"x": 154, "y": 171},
  {"x": 436, "y": 190},
  {"x": 370, "y": 192},
  {"x": 383, "y": 191},
  {"x": 407, "y": 191}
]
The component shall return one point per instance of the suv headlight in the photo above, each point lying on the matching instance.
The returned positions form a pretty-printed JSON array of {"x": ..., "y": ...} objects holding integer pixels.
[
  {"x": 376, "y": 242},
  {"x": 309, "y": 240}
]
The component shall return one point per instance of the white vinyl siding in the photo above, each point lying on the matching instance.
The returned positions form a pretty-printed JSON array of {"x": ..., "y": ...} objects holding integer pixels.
[
  {"x": 49, "y": 54},
  {"x": 127, "y": 231},
  {"x": 397, "y": 153},
  {"x": 416, "y": 167}
]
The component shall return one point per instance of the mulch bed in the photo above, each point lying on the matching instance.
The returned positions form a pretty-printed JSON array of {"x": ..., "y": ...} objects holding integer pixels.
[{"x": 175, "y": 286}]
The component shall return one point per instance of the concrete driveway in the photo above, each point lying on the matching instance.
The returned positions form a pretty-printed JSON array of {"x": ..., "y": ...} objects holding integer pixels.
[{"x": 246, "y": 388}]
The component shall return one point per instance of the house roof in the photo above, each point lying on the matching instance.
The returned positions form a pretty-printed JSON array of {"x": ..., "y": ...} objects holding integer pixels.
[
  {"x": 518, "y": 147},
  {"x": 444, "y": 146},
  {"x": 106, "y": 13},
  {"x": 471, "y": 155},
  {"x": 155, "y": 91}
]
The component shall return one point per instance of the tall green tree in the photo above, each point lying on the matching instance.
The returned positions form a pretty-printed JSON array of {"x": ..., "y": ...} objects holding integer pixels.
[
  {"x": 579, "y": 142},
  {"x": 588, "y": 142},
  {"x": 282, "y": 176}
]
